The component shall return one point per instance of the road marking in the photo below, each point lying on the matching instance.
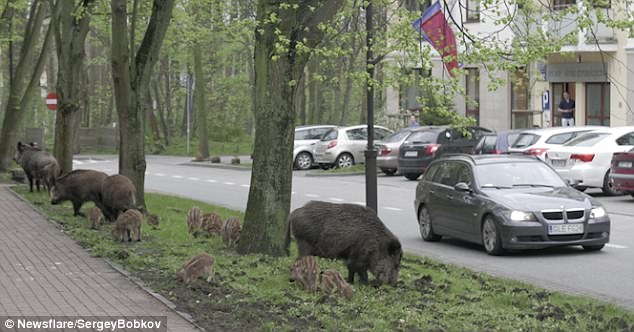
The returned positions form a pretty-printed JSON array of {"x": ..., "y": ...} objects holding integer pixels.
[
  {"x": 177, "y": 177},
  {"x": 211, "y": 181},
  {"x": 312, "y": 195},
  {"x": 229, "y": 183},
  {"x": 359, "y": 203},
  {"x": 78, "y": 162},
  {"x": 335, "y": 199},
  {"x": 159, "y": 174},
  {"x": 392, "y": 208},
  {"x": 293, "y": 193},
  {"x": 193, "y": 179},
  {"x": 92, "y": 161},
  {"x": 617, "y": 246},
  {"x": 244, "y": 186}
]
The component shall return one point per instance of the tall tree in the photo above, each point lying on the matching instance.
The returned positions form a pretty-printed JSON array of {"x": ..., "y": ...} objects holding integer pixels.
[
  {"x": 201, "y": 107},
  {"x": 72, "y": 22},
  {"x": 131, "y": 72},
  {"x": 25, "y": 79},
  {"x": 296, "y": 25}
]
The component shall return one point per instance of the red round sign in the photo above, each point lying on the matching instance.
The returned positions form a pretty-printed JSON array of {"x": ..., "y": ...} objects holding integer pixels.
[{"x": 51, "y": 101}]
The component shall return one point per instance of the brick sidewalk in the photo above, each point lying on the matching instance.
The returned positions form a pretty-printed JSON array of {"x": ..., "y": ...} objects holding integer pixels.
[{"x": 44, "y": 272}]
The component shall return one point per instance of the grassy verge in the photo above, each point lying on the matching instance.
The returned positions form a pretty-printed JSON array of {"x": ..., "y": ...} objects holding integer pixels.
[
  {"x": 252, "y": 292},
  {"x": 179, "y": 148}
]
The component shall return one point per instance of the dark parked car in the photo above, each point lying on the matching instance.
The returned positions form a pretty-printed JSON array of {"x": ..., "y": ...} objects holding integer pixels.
[
  {"x": 496, "y": 143},
  {"x": 506, "y": 202},
  {"x": 428, "y": 143},
  {"x": 622, "y": 172}
]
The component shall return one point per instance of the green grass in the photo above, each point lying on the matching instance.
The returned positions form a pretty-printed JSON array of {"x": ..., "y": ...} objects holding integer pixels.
[
  {"x": 178, "y": 147},
  {"x": 343, "y": 170},
  {"x": 252, "y": 292}
]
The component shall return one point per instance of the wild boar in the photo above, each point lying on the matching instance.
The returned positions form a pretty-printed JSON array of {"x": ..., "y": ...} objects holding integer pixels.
[
  {"x": 78, "y": 186},
  {"x": 118, "y": 195},
  {"x": 194, "y": 220},
  {"x": 200, "y": 265},
  {"x": 351, "y": 232},
  {"x": 306, "y": 271},
  {"x": 128, "y": 225},
  {"x": 96, "y": 217},
  {"x": 39, "y": 166},
  {"x": 153, "y": 220},
  {"x": 211, "y": 224},
  {"x": 331, "y": 281},
  {"x": 231, "y": 231}
]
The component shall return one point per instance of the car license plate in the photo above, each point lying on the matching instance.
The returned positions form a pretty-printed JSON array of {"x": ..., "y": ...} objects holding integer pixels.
[
  {"x": 565, "y": 229},
  {"x": 411, "y": 153},
  {"x": 558, "y": 162},
  {"x": 625, "y": 164}
]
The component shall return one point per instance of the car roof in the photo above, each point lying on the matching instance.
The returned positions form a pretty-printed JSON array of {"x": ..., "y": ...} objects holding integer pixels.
[
  {"x": 314, "y": 126},
  {"x": 480, "y": 159},
  {"x": 556, "y": 130},
  {"x": 360, "y": 126}
]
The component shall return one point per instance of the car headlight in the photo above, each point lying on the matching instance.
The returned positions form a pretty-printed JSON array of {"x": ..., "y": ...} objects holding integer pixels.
[
  {"x": 521, "y": 216},
  {"x": 597, "y": 212}
]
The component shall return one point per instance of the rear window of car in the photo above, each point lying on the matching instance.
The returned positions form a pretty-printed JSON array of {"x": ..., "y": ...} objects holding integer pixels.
[
  {"x": 330, "y": 135},
  {"x": 397, "y": 136},
  {"x": 564, "y": 137},
  {"x": 589, "y": 139},
  {"x": 511, "y": 138},
  {"x": 525, "y": 140},
  {"x": 302, "y": 134},
  {"x": 423, "y": 137}
]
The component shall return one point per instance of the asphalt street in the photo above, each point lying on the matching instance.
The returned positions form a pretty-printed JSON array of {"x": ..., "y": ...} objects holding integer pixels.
[{"x": 606, "y": 274}]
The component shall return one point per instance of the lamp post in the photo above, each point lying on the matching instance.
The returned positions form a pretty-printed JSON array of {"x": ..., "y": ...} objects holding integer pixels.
[{"x": 370, "y": 153}]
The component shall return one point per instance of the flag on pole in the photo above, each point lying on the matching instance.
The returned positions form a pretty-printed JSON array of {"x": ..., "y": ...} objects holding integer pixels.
[{"x": 436, "y": 30}]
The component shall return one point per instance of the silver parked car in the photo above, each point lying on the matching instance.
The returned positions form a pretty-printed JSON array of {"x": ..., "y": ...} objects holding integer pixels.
[
  {"x": 305, "y": 138},
  {"x": 387, "y": 159},
  {"x": 345, "y": 146}
]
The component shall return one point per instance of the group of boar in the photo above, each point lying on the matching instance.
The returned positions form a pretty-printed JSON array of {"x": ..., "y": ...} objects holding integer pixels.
[{"x": 211, "y": 224}]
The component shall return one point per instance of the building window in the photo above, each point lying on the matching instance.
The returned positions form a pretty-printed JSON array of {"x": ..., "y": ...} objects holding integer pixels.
[
  {"x": 417, "y": 5},
  {"x": 521, "y": 117},
  {"x": 414, "y": 97},
  {"x": 562, "y": 4},
  {"x": 598, "y": 104},
  {"x": 473, "y": 11},
  {"x": 557, "y": 92},
  {"x": 472, "y": 89},
  {"x": 601, "y": 3}
]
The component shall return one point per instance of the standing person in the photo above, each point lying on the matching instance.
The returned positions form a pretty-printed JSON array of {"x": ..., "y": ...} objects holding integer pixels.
[
  {"x": 413, "y": 122},
  {"x": 567, "y": 109}
]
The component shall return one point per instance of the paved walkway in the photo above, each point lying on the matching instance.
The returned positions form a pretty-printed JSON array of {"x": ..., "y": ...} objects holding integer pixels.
[{"x": 43, "y": 272}]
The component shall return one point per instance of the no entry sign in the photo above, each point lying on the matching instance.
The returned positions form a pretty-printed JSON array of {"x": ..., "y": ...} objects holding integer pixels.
[{"x": 51, "y": 101}]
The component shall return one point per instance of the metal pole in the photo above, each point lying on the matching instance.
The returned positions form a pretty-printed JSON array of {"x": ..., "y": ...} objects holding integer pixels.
[
  {"x": 188, "y": 108},
  {"x": 370, "y": 153}
]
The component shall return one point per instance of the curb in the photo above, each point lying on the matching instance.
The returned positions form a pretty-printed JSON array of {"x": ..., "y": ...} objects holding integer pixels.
[
  {"x": 310, "y": 174},
  {"x": 209, "y": 165},
  {"x": 169, "y": 304}
]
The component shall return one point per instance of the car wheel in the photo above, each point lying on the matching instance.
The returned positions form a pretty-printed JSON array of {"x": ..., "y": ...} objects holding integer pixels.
[
  {"x": 581, "y": 189},
  {"x": 491, "y": 238},
  {"x": 303, "y": 161},
  {"x": 632, "y": 194},
  {"x": 608, "y": 186},
  {"x": 388, "y": 171},
  {"x": 325, "y": 166},
  {"x": 344, "y": 160},
  {"x": 412, "y": 176},
  {"x": 425, "y": 226},
  {"x": 593, "y": 248}
]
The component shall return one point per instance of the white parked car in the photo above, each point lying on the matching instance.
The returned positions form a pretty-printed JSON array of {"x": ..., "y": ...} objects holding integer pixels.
[
  {"x": 304, "y": 143},
  {"x": 585, "y": 161},
  {"x": 537, "y": 141},
  {"x": 345, "y": 146}
]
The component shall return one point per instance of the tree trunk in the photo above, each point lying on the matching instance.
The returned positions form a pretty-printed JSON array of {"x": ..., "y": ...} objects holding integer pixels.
[
  {"x": 199, "y": 96},
  {"x": 27, "y": 76},
  {"x": 151, "y": 117},
  {"x": 161, "y": 112},
  {"x": 271, "y": 180},
  {"x": 131, "y": 72},
  {"x": 70, "y": 39}
]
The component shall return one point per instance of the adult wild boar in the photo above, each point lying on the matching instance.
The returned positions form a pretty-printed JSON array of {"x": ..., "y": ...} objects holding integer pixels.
[
  {"x": 351, "y": 232},
  {"x": 118, "y": 195},
  {"x": 78, "y": 186},
  {"x": 38, "y": 165}
]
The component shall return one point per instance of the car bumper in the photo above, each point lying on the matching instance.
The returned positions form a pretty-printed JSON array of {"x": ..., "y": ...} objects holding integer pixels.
[
  {"x": 534, "y": 235},
  {"x": 387, "y": 162},
  {"x": 414, "y": 165},
  {"x": 623, "y": 182},
  {"x": 325, "y": 158},
  {"x": 583, "y": 175}
]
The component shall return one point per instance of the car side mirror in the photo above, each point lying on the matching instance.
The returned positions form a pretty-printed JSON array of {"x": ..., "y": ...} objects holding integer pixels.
[{"x": 462, "y": 187}]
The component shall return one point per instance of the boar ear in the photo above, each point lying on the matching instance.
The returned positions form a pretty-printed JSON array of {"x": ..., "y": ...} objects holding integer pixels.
[
  {"x": 394, "y": 247},
  {"x": 19, "y": 146}
]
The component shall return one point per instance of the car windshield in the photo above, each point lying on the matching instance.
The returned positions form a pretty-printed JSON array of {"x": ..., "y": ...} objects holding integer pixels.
[
  {"x": 397, "y": 136},
  {"x": 330, "y": 135},
  {"x": 525, "y": 140},
  {"x": 517, "y": 174},
  {"x": 589, "y": 139},
  {"x": 423, "y": 137}
]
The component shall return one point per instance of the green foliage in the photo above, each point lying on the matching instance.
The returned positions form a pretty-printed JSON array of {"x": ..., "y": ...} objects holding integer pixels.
[{"x": 252, "y": 292}]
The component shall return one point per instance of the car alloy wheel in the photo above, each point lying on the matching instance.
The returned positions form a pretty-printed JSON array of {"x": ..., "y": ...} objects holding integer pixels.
[
  {"x": 608, "y": 186},
  {"x": 303, "y": 161},
  {"x": 412, "y": 176},
  {"x": 491, "y": 237},
  {"x": 344, "y": 160},
  {"x": 425, "y": 226}
]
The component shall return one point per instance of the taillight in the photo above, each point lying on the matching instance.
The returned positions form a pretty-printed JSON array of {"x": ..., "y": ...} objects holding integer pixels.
[
  {"x": 431, "y": 148},
  {"x": 535, "y": 151},
  {"x": 384, "y": 151},
  {"x": 586, "y": 158},
  {"x": 332, "y": 144},
  {"x": 497, "y": 152}
]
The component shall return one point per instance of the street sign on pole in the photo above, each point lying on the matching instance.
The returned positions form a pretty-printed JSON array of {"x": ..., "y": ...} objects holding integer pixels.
[
  {"x": 51, "y": 101},
  {"x": 546, "y": 101}
]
